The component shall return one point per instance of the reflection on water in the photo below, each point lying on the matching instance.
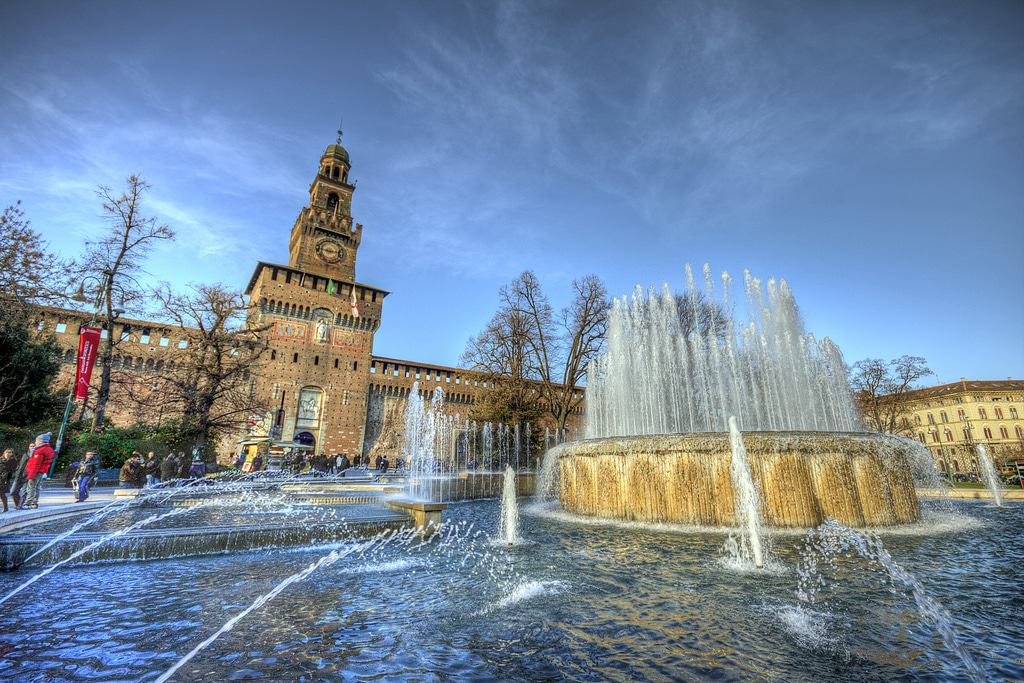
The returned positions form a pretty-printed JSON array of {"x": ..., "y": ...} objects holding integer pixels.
[{"x": 582, "y": 602}]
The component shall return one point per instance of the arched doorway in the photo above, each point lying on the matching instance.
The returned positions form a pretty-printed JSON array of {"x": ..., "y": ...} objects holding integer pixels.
[{"x": 306, "y": 439}]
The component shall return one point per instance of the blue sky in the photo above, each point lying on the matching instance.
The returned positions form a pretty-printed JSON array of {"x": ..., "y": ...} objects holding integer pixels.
[{"x": 872, "y": 153}]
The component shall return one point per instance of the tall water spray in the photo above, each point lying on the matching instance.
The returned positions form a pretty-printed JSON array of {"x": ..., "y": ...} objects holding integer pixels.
[
  {"x": 661, "y": 375},
  {"x": 508, "y": 526},
  {"x": 989, "y": 474},
  {"x": 745, "y": 498},
  {"x": 426, "y": 426}
]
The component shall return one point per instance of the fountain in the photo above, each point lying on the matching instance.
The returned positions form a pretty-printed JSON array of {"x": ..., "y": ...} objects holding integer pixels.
[
  {"x": 675, "y": 371},
  {"x": 747, "y": 506},
  {"x": 989, "y": 475},
  {"x": 508, "y": 526}
]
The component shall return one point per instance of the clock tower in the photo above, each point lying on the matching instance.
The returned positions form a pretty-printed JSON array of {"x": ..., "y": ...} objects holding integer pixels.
[{"x": 324, "y": 238}]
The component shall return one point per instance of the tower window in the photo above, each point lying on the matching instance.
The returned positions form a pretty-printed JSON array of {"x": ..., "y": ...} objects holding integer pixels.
[
  {"x": 316, "y": 360},
  {"x": 273, "y": 355},
  {"x": 335, "y": 362},
  {"x": 332, "y": 202},
  {"x": 295, "y": 358},
  {"x": 334, "y": 173}
]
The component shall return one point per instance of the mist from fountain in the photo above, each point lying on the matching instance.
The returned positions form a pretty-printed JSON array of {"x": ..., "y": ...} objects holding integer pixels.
[
  {"x": 748, "y": 514},
  {"x": 989, "y": 474},
  {"x": 508, "y": 525},
  {"x": 769, "y": 372}
]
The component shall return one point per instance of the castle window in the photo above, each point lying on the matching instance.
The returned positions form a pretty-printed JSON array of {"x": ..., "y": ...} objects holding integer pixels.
[
  {"x": 355, "y": 365},
  {"x": 373, "y": 369},
  {"x": 288, "y": 277},
  {"x": 61, "y": 328},
  {"x": 334, "y": 172},
  {"x": 103, "y": 334},
  {"x": 273, "y": 274},
  {"x": 332, "y": 202},
  {"x": 396, "y": 372},
  {"x": 183, "y": 344},
  {"x": 41, "y": 325},
  {"x": 273, "y": 355},
  {"x": 417, "y": 374},
  {"x": 144, "y": 339},
  {"x": 335, "y": 363},
  {"x": 316, "y": 360},
  {"x": 295, "y": 358},
  {"x": 164, "y": 341}
]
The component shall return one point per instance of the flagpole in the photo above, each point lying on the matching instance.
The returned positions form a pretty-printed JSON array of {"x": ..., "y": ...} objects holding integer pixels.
[{"x": 71, "y": 394}]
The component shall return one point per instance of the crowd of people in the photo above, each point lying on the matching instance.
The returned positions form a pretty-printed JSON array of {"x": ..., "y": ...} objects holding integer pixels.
[{"x": 21, "y": 477}]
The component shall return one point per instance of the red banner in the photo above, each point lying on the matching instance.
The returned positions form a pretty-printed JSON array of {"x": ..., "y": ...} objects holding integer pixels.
[{"x": 88, "y": 342}]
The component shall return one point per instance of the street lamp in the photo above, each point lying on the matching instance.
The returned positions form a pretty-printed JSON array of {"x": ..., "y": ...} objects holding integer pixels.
[{"x": 102, "y": 285}]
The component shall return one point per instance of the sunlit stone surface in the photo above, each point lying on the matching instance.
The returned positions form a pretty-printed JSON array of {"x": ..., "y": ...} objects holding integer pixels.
[{"x": 859, "y": 479}]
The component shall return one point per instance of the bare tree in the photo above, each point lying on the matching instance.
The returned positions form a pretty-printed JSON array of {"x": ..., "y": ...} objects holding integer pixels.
[
  {"x": 210, "y": 380},
  {"x": 501, "y": 353},
  {"x": 535, "y": 356},
  {"x": 29, "y": 273},
  {"x": 881, "y": 390},
  {"x": 561, "y": 351},
  {"x": 702, "y": 316},
  {"x": 116, "y": 260}
]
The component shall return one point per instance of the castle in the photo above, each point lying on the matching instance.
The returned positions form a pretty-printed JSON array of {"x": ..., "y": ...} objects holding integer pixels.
[{"x": 321, "y": 382}]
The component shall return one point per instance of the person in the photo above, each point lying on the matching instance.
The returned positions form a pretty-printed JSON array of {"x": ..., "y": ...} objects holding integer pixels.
[
  {"x": 184, "y": 465},
  {"x": 8, "y": 473},
  {"x": 169, "y": 467},
  {"x": 70, "y": 474},
  {"x": 198, "y": 468},
  {"x": 18, "y": 487},
  {"x": 152, "y": 469},
  {"x": 132, "y": 472},
  {"x": 84, "y": 476},
  {"x": 340, "y": 463},
  {"x": 380, "y": 461},
  {"x": 36, "y": 470},
  {"x": 257, "y": 463},
  {"x": 385, "y": 463}
]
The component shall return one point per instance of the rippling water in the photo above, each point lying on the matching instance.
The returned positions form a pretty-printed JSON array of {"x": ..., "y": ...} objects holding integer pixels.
[{"x": 580, "y": 602}]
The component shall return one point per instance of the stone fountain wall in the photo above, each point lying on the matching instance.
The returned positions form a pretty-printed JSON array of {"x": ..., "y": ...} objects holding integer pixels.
[{"x": 861, "y": 480}]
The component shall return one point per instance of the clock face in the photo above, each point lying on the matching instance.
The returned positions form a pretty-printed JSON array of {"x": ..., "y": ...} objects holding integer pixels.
[{"x": 329, "y": 251}]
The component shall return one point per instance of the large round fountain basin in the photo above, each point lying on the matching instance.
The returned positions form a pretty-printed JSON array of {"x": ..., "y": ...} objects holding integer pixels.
[{"x": 859, "y": 479}]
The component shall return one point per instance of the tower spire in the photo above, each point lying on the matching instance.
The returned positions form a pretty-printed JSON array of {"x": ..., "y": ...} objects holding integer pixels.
[{"x": 340, "y": 123}]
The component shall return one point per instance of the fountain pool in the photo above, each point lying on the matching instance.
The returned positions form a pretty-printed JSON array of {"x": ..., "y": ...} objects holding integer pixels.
[{"x": 597, "y": 601}]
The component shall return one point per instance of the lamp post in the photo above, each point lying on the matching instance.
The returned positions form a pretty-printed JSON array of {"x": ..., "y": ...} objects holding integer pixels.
[{"x": 101, "y": 293}]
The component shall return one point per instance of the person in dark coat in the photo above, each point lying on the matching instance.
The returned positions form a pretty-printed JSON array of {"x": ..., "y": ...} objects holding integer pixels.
[
  {"x": 8, "y": 473},
  {"x": 184, "y": 464},
  {"x": 17, "y": 487},
  {"x": 169, "y": 467},
  {"x": 198, "y": 468},
  {"x": 85, "y": 475},
  {"x": 132, "y": 472},
  {"x": 36, "y": 469}
]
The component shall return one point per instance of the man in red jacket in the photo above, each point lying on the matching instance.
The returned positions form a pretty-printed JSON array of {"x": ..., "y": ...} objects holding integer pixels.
[{"x": 35, "y": 470}]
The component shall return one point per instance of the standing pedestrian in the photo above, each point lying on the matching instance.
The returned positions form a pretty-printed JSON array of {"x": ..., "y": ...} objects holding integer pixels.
[
  {"x": 198, "y": 468},
  {"x": 8, "y": 473},
  {"x": 152, "y": 470},
  {"x": 36, "y": 470},
  {"x": 18, "y": 487},
  {"x": 132, "y": 473},
  {"x": 169, "y": 467},
  {"x": 85, "y": 475}
]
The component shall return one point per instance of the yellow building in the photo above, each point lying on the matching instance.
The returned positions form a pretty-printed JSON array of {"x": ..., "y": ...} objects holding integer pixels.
[{"x": 952, "y": 419}]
